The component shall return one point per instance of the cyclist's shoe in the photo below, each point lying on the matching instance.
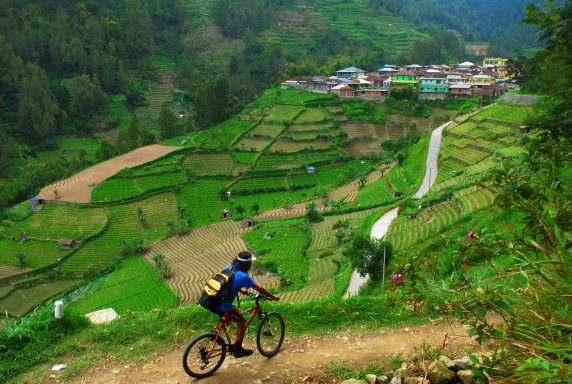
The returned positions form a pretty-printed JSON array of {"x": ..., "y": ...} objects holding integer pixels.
[{"x": 241, "y": 352}]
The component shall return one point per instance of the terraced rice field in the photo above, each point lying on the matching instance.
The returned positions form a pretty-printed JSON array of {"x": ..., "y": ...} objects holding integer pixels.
[
  {"x": 312, "y": 115},
  {"x": 245, "y": 157},
  {"x": 359, "y": 129},
  {"x": 248, "y": 143},
  {"x": 297, "y": 146},
  {"x": 282, "y": 113},
  {"x": 60, "y": 221},
  {"x": 281, "y": 246},
  {"x": 220, "y": 163},
  {"x": 270, "y": 161},
  {"x": 197, "y": 256},
  {"x": 134, "y": 286},
  {"x": 38, "y": 254},
  {"x": 267, "y": 130},
  {"x": 319, "y": 290},
  {"x": 404, "y": 232},
  {"x": 124, "y": 224},
  {"x": 318, "y": 127},
  {"x": 6, "y": 271},
  {"x": 249, "y": 183},
  {"x": 306, "y": 136},
  {"x": 119, "y": 188},
  {"x": 76, "y": 189},
  {"x": 202, "y": 200},
  {"x": 510, "y": 113},
  {"x": 362, "y": 147}
]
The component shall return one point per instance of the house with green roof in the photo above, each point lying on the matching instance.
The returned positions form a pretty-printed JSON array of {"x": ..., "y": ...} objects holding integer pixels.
[{"x": 433, "y": 88}]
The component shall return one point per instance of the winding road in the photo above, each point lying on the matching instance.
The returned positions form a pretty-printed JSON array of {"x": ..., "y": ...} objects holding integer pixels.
[{"x": 381, "y": 226}]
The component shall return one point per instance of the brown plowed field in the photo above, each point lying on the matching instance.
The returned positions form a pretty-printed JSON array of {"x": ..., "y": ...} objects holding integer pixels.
[
  {"x": 349, "y": 190},
  {"x": 363, "y": 147},
  {"x": 197, "y": 256},
  {"x": 75, "y": 189},
  {"x": 359, "y": 129},
  {"x": 6, "y": 270}
]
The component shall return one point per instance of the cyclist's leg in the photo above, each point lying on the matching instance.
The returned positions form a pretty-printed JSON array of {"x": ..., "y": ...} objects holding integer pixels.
[{"x": 237, "y": 317}]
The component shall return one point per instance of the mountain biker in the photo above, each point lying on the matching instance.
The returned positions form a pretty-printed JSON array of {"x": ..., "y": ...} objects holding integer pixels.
[{"x": 242, "y": 281}]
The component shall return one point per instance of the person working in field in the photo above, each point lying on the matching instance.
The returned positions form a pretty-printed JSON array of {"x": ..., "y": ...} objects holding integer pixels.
[{"x": 221, "y": 290}]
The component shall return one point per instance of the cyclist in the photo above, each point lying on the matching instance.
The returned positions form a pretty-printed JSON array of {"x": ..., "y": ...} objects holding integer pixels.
[{"x": 242, "y": 281}]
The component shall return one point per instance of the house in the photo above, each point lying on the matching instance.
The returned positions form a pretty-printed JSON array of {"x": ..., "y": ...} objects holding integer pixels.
[
  {"x": 343, "y": 90},
  {"x": 37, "y": 203},
  {"x": 433, "y": 88},
  {"x": 245, "y": 223},
  {"x": 466, "y": 65},
  {"x": 494, "y": 62},
  {"x": 225, "y": 214},
  {"x": 360, "y": 83},
  {"x": 310, "y": 169},
  {"x": 350, "y": 73},
  {"x": 455, "y": 79},
  {"x": 372, "y": 93},
  {"x": 484, "y": 93},
  {"x": 414, "y": 67},
  {"x": 68, "y": 244},
  {"x": 481, "y": 81},
  {"x": 405, "y": 78},
  {"x": 318, "y": 84},
  {"x": 460, "y": 91}
]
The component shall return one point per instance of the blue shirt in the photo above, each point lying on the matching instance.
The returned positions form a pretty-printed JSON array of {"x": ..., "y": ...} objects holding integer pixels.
[{"x": 241, "y": 280}]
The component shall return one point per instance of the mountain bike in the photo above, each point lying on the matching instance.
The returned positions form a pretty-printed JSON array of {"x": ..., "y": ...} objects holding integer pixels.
[{"x": 206, "y": 353}]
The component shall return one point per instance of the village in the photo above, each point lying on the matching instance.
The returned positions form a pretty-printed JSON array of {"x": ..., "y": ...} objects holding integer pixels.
[{"x": 430, "y": 82}]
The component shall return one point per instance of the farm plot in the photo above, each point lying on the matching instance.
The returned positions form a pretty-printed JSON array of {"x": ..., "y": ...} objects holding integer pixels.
[
  {"x": 267, "y": 130},
  {"x": 248, "y": 143},
  {"x": 282, "y": 248},
  {"x": 198, "y": 255},
  {"x": 221, "y": 136},
  {"x": 124, "y": 224},
  {"x": 318, "y": 127},
  {"x": 322, "y": 268},
  {"x": 166, "y": 165},
  {"x": 202, "y": 200},
  {"x": 298, "y": 146},
  {"x": 20, "y": 301},
  {"x": 362, "y": 147},
  {"x": 359, "y": 129},
  {"x": 381, "y": 191},
  {"x": 251, "y": 183},
  {"x": 511, "y": 113},
  {"x": 59, "y": 221},
  {"x": 119, "y": 188},
  {"x": 38, "y": 253},
  {"x": 283, "y": 113},
  {"x": 76, "y": 188},
  {"x": 220, "y": 163},
  {"x": 271, "y": 161},
  {"x": 244, "y": 157},
  {"x": 306, "y": 136},
  {"x": 134, "y": 286},
  {"x": 312, "y": 115},
  {"x": 320, "y": 290}
]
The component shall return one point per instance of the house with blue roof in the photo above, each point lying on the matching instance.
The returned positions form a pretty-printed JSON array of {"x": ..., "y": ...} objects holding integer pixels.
[{"x": 350, "y": 73}]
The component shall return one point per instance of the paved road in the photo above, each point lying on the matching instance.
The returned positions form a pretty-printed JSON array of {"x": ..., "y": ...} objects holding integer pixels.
[{"x": 381, "y": 226}]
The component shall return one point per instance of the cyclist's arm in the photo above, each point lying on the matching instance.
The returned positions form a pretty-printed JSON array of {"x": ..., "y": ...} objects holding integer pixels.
[{"x": 265, "y": 292}]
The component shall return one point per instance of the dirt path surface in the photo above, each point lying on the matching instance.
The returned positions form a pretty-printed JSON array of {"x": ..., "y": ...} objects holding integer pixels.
[
  {"x": 301, "y": 360},
  {"x": 76, "y": 189}
]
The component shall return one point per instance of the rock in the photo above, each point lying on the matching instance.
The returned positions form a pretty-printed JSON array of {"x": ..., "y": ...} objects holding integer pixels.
[
  {"x": 462, "y": 363},
  {"x": 396, "y": 380},
  {"x": 416, "y": 380},
  {"x": 115, "y": 371},
  {"x": 466, "y": 376},
  {"x": 439, "y": 373},
  {"x": 352, "y": 381},
  {"x": 52, "y": 377},
  {"x": 371, "y": 378},
  {"x": 445, "y": 360},
  {"x": 382, "y": 379}
]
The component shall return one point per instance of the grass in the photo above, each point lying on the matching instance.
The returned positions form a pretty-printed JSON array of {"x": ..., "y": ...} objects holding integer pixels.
[
  {"x": 58, "y": 221},
  {"x": 134, "y": 286},
  {"x": 75, "y": 145},
  {"x": 38, "y": 253},
  {"x": 20, "y": 211},
  {"x": 117, "y": 112},
  {"x": 118, "y": 188}
]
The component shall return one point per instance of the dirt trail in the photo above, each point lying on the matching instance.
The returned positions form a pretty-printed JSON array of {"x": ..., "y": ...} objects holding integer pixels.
[{"x": 301, "y": 360}]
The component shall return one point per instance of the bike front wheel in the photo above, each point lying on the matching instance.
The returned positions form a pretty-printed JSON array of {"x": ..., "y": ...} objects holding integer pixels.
[
  {"x": 204, "y": 355},
  {"x": 270, "y": 334}
]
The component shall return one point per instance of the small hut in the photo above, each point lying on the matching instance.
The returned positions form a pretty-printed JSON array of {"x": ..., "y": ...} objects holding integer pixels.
[
  {"x": 246, "y": 223},
  {"x": 37, "y": 203},
  {"x": 225, "y": 214},
  {"x": 523, "y": 129},
  {"x": 310, "y": 169},
  {"x": 68, "y": 243}
]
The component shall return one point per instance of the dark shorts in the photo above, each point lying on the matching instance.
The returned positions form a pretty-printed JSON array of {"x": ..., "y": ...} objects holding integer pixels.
[{"x": 232, "y": 314}]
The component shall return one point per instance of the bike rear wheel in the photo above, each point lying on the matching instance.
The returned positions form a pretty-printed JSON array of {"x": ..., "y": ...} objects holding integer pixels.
[
  {"x": 270, "y": 334},
  {"x": 203, "y": 356}
]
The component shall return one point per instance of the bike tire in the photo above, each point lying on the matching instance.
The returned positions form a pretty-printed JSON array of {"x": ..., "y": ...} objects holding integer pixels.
[
  {"x": 270, "y": 334},
  {"x": 194, "y": 362}
]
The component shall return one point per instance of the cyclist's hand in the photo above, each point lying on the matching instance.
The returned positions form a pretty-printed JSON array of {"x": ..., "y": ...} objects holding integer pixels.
[
  {"x": 274, "y": 298},
  {"x": 244, "y": 291}
]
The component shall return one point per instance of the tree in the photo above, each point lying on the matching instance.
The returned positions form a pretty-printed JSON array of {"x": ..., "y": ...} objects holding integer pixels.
[
  {"x": 21, "y": 257},
  {"x": 105, "y": 151},
  {"x": 38, "y": 111},
  {"x": 168, "y": 122},
  {"x": 213, "y": 102},
  {"x": 142, "y": 217},
  {"x": 87, "y": 98},
  {"x": 181, "y": 209},
  {"x": 239, "y": 209},
  {"x": 255, "y": 207},
  {"x": 312, "y": 214},
  {"x": 367, "y": 255}
]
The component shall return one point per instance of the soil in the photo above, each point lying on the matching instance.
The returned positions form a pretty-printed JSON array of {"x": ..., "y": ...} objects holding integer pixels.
[
  {"x": 301, "y": 360},
  {"x": 76, "y": 189}
]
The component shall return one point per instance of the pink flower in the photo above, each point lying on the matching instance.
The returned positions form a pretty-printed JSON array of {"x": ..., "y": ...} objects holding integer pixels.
[
  {"x": 470, "y": 234},
  {"x": 397, "y": 276}
]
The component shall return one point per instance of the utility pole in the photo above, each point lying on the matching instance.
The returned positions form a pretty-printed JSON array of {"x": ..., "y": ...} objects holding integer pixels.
[
  {"x": 383, "y": 275},
  {"x": 429, "y": 181}
]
